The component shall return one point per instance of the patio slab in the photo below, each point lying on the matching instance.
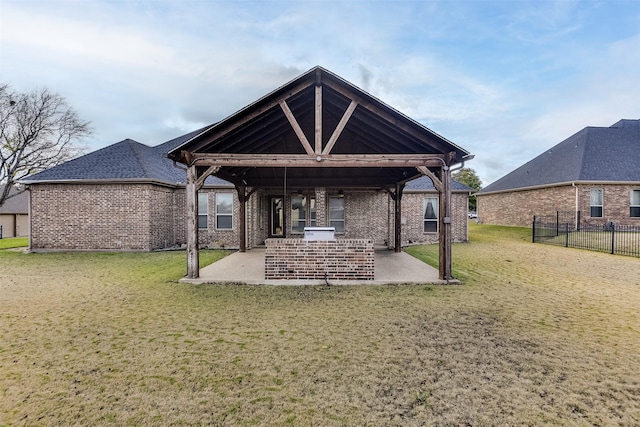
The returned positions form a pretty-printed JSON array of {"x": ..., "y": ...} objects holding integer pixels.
[{"x": 248, "y": 268}]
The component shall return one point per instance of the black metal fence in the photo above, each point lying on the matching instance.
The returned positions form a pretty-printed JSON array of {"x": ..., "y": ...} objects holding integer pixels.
[{"x": 609, "y": 237}]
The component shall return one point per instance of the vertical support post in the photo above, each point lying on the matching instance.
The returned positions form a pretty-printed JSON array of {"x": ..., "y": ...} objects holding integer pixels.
[
  {"x": 318, "y": 120},
  {"x": 242, "y": 234},
  {"x": 398, "y": 218},
  {"x": 193, "y": 255},
  {"x": 613, "y": 238},
  {"x": 533, "y": 229},
  {"x": 445, "y": 224}
]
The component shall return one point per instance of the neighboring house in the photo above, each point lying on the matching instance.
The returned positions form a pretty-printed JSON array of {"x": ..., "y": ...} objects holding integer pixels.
[
  {"x": 595, "y": 172},
  {"x": 14, "y": 215},
  {"x": 129, "y": 196}
]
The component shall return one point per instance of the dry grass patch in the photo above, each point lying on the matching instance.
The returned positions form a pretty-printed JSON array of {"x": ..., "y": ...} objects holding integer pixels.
[{"x": 537, "y": 335}]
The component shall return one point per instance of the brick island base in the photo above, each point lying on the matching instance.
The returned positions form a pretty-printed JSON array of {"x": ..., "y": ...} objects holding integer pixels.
[{"x": 300, "y": 259}]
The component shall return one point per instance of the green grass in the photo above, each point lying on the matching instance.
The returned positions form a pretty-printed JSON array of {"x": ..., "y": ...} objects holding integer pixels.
[
  {"x": 14, "y": 242},
  {"x": 537, "y": 335}
]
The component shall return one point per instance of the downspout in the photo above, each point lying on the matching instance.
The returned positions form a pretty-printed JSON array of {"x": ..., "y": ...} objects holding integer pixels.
[{"x": 573, "y": 184}]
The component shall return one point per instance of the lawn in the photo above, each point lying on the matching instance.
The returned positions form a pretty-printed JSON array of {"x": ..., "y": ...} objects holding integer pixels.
[
  {"x": 14, "y": 242},
  {"x": 536, "y": 335}
]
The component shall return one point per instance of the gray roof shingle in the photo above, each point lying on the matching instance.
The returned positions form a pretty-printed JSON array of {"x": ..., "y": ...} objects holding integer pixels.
[
  {"x": 127, "y": 159},
  {"x": 593, "y": 154}
]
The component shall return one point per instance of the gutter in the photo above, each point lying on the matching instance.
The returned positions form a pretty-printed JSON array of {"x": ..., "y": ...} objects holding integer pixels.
[{"x": 115, "y": 181}]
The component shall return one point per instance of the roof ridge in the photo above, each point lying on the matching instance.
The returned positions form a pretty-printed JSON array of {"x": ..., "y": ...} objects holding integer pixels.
[{"x": 138, "y": 155}]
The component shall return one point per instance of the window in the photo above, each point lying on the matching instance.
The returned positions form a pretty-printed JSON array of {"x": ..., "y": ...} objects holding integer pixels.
[
  {"x": 224, "y": 211},
  {"x": 303, "y": 211},
  {"x": 431, "y": 215},
  {"x": 596, "y": 203},
  {"x": 203, "y": 210},
  {"x": 336, "y": 213},
  {"x": 635, "y": 204}
]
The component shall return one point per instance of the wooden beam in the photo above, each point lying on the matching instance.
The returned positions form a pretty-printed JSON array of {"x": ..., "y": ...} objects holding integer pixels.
[
  {"x": 242, "y": 117},
  {"x": 436, "y": 182},
  {"x": 444, "y": 219},
  {"x": 296, "y": 127},
  {"x": 407, "y": 125},
  {"x": 210, "y": 171},
  {"x": 398, "y": 218},
  {"x": 340, "y": 127},
  {"x": 312, "y": 161},
  {"x": 318, "y": 122},
  {"x": 193, "y": 256}
]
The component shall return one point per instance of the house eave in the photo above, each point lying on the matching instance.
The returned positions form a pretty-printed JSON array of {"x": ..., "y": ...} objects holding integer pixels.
[{"x": 114, "y": 181}]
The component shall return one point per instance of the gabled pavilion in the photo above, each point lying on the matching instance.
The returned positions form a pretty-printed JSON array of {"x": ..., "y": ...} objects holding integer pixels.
[{"x": 318, "y": 132}]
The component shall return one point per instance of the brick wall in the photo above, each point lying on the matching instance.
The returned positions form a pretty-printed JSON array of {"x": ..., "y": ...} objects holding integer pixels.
[
  {"x": 344, "y": 259},
  {"x": 105, "y": 216},
  {"x": 616, "y": 204},
  {"x": 412, "y": 212},
  {"x": 517, "y": 208},
  {"x": 147, "y": 216}
]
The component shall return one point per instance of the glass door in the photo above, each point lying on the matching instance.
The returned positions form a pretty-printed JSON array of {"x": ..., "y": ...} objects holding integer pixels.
[{"x": 276, "y": 217}]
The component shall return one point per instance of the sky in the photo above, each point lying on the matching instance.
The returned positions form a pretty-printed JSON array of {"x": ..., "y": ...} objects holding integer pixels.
[{"x": 504, "y": 80}]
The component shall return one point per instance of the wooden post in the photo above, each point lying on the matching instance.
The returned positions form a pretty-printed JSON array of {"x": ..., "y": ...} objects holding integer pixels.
[
  {"x": 445, "y": 224},
  {"x": 242, "y": 198},
  {"x": 193, "y": 261},
  {"x": 398, "y": 218}
]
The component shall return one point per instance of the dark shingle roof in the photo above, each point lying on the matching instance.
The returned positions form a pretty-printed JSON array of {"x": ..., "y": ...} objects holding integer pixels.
[
  {"x": 424, "y": 183},
  {"x": 125, "y": 160},
  {"x": 593, "y": 154}
]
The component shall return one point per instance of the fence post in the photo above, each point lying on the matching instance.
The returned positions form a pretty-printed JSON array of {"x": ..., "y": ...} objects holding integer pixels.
[
  {"x": 557, "y": 223},
  {"x": 578, "y": 220},
  {"x": 533, "y": 240},
  {"x": 613, "y": 237},
  {"x": 566, "y": 235},
  {"x": 0, "y": 232}
]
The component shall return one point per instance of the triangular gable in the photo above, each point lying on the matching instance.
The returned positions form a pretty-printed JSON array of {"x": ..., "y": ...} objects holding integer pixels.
[{"x": 315, "y": 118}]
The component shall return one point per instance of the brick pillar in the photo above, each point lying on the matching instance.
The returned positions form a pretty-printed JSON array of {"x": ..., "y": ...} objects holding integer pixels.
[{"x": 321, "y": 207}]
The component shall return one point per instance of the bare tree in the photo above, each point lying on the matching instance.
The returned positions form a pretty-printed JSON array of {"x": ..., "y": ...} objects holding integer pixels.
[{"x": 38, "y": 130}]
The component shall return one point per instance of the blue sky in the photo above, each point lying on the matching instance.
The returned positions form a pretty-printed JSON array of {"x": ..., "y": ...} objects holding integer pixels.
[{"x": 503, "y": 79}]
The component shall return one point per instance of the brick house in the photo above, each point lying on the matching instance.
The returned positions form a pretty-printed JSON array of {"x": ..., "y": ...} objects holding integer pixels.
[
  {"x": 594, "y": 172},
  {"x": 130, "y": 196},
  {"x": 14, "y": 215}
]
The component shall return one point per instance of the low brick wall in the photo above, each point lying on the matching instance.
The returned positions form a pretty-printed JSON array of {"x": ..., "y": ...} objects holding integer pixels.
[{"x": 343, "y": 259}]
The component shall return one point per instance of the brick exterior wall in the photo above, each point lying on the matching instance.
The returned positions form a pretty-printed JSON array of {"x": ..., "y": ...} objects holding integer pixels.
[
  {"x": 412, "y": 212},
  {"x": 104, "y": 216},
  {"x": 148, "y": 216},
  {"x": 344, "y": 259},
  {"x": 517, "y": 208}
]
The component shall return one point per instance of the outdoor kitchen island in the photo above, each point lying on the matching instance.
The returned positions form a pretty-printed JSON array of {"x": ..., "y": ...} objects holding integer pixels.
[{"x": 319, "y": 256}]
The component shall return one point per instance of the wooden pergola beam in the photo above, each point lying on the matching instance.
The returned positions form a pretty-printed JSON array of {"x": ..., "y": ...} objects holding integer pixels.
[
  {"x": 296, "y": 127},
  {"x": 320, "y": 161}
]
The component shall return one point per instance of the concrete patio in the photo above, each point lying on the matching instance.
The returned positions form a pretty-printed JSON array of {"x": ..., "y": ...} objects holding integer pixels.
[{"x": 248, "y": 268}]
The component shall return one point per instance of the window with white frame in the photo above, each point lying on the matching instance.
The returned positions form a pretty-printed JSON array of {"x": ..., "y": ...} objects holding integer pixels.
[
  {"x": 634, "y": 211},
  {"x": 595, "y": 209},
  {"x": 430, "y": 215},
  {"x": 203, "y": 210},
  {"x": 303, "y": 212},
  {"x": 336, "y": 213},
  {"x": 224, "y": 211}
]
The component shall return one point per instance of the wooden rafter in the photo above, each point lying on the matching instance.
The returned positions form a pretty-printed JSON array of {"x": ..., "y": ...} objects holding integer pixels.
[
  {"x": 296, "y": 127},
  {"x": 340, "y": 127}
]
